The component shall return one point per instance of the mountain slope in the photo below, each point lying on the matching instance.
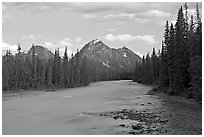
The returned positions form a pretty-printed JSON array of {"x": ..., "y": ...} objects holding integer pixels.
[
  {"x": 41, "y": 52},
  {"x": 102, "y": 55}
]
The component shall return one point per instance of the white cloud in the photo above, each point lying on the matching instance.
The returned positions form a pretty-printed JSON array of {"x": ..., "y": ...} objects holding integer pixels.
[
  {"x": 156, "y": 13},
  {"x": 72, "y": 45},
  {"x": 7, "y": 46},
  {"x": 78, "y": 39},
  {"x": 61, "y": 44},
  {"x": 140, "y": 17},
  {"x": 89, "y": 16},
  {"x": 65, "y": 42},
  {"x": 128, "y": 15},
  {"x": 129, "y": 7},
  {"x": 110, "y": 37},
  {"x": 142, "y": 20},
  {"x": 31, "y": 36},
  {"x": 48, "y": 44},
  {"x": 147, "y": 39}
]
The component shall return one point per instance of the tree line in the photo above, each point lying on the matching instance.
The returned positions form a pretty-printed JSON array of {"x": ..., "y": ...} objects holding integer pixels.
[
  {"x": 177, "y": 68},
  {"x": 29, "y": 71}
]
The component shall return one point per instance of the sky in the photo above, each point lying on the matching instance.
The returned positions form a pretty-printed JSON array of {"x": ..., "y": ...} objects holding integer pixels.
[{"x": 135, "y": 25}]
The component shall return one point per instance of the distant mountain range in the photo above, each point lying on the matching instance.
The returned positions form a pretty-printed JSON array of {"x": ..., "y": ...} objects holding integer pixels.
[{"x": 98, "y": 54}]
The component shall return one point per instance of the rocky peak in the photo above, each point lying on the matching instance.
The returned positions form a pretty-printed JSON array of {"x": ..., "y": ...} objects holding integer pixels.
[
  {"x": 41, "y": 52},
  {"x": 124, "y": 48},
  {"x": 95, "y": 42}
]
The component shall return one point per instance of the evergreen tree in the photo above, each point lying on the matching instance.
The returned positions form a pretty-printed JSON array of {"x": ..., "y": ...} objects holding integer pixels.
[
  {"x": 170, "y": 56},
  {"x": 72, "y": 83},
  {"x": 19, "y": 49},
  {"x": 155, "y": 67},
  {"x": 34, "y": 68},
  {"x": 179, "y": 49},
  {"x": 65, "y": 68},
  {"x": 163, "y": 77}
]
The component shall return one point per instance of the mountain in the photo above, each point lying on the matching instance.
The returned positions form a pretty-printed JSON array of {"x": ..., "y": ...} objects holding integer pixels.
[
  {"x": 115, "y": 59},
  {"x": 97, "y": 54},
  {"x": 41, "y": 52}
]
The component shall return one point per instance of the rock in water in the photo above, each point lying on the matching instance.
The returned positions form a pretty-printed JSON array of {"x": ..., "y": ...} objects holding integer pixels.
[
  {"x": 142, "y": 104},
  {"x": 126, "y": 117},
  {"x": 132, "y": 132},
  {"x": 115, "y": 117},
  {"x": 121, "y": 125},
  {"x": 136, "y": 126},
  {"x": 124, "y": 110}
]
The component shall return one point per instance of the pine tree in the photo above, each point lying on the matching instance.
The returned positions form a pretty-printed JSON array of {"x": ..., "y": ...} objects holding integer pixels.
[
  {"x": 77, "y": 69},
  {"x": 170, "y": 57},
  {"x": 155, "y": 67},
  {"x": 84, "y": 75},
  {"x": 19, "y": 49},
  {"x": 198, "y": 32},
  {"x": 34, "y": 68},
  {"x": 50, "y": 73},
  {"x": 143, "y": 69},
  {"x": 179, "y": 73},
  {"x": 196, "y": 76},
  {"x": 195, "y": 67},
  {"x": 163, "y": 77},
  {"x": 72, "y": 82},
  {"x": 65, "y": 68}
]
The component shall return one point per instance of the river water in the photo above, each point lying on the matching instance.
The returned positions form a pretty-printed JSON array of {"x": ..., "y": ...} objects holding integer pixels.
[{"x": 65, "y": 111}]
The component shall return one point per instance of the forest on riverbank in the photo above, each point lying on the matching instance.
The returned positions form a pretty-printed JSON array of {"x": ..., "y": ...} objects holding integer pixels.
[{"x": 177, "y": 69}]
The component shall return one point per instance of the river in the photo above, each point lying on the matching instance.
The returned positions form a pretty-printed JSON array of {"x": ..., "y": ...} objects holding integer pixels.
[{"x": 65, "y": 111}]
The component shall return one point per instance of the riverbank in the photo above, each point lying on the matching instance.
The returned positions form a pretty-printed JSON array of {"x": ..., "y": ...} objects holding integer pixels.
[{"x": 184, "y": 115}]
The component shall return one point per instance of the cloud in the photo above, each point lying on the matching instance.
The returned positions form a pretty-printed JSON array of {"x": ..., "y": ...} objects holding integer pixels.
[
  {"x": 156, "y": 13},
  {"x": 154, "y": 16},
  {"x": 89, "y": 16},
  {"x": 61, "y": 44},
  {"x": 72, "y": 45},
  {"x": 78, "y": 39},
  {"x": 110, "y": 37},
  {"x": 128, "y": 7},
  {"x": 142, "y": 20},
  {"x": 147, "y": 39},
  {"x": 31, "y": 36},
  {"x": 7, "y": 46}
]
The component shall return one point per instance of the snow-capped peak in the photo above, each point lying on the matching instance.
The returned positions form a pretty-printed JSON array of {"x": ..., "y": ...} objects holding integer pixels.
[{"x": 95, "y": 41}]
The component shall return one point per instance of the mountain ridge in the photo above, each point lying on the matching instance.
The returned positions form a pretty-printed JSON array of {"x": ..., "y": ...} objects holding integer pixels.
[
  {"x": 99, "y": 54},
  {"x": 117, "y": 59}
]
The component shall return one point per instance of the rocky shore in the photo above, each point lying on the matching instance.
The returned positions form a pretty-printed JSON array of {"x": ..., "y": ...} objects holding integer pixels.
[{"x": 143, "y": 122}]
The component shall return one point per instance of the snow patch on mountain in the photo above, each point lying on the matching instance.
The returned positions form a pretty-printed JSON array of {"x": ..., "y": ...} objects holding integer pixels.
[
  {"x": 125, "y": 55},
  {"x": 96, "y": 41},
  {"x": 106, "y": 65}
]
